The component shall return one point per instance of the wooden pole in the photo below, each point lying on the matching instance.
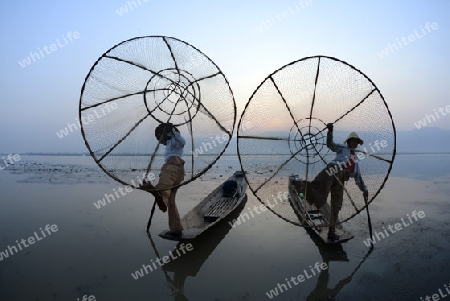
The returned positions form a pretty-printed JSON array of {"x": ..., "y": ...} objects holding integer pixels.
[{"x": 151, "y": 216}]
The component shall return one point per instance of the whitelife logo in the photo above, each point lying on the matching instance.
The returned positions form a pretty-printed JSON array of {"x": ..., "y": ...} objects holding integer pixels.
[
  {"x": 46, "y": 50},
  {"x": 98, "y": 113},
  {"x": 31, "y": 240},
  {"x": 404, "y": 41},
  {"x": 161, "y": 261}
]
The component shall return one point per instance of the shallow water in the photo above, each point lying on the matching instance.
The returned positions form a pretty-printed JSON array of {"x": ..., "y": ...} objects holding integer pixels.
[{"x": 95, "y": 251}]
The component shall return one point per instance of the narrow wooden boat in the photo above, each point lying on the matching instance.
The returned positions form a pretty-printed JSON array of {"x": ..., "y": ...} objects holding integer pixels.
[
  {"x": 222, "y": 201},
  {"x": 311, "y": 217}
]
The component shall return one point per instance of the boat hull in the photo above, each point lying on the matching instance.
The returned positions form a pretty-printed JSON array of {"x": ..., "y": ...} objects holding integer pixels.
[
  {"x": 313, "y": 218},
  {"x": 211, "y": 210}
]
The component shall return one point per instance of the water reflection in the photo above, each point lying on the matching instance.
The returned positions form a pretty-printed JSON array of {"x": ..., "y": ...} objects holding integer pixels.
[
  {"x": 190, "y": 263},
  {"x": 177, "y": 271},
  {"x": 331, "y": 252}
]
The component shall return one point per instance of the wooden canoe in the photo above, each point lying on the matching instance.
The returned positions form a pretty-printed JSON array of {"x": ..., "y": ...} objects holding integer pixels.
[
  {"x": 313, "y": 218},
  {"x": 211, "y": 210}
]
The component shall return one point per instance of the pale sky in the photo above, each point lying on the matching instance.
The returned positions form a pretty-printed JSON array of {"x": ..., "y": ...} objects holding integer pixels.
[{"x": 39, "y": 99}]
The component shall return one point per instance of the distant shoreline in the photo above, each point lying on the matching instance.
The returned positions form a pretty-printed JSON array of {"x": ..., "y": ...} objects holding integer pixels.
[{"x": 225, "y": 155}]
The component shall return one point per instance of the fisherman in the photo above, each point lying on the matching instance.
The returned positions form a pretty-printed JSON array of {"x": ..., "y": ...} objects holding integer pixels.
[
  {"x": 172, "y": 174},
  {"x": 332, "y": 178}
]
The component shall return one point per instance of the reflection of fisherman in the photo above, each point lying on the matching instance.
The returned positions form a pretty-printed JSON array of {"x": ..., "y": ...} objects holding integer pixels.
[
  {"x": 334, "y": 252},
  {"x": 172, "y": 174},
  {"x": 332, "y": 178},
  {"x": 202, "y": 247}
]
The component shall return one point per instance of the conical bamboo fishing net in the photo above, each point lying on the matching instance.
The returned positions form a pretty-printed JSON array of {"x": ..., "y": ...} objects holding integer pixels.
[
  {"x": 288, "y": 114},
  {"x": 141, "y": 83}
]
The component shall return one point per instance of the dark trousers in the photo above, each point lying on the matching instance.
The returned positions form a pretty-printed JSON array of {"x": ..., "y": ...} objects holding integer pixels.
[
  {"x": 329, "y": 180},
  {"x": 172, "y": 173}
]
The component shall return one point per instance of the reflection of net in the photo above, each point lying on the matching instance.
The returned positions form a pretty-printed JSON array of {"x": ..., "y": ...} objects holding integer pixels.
[
  {"x": 145, "y": 81},
  {"x": 289, "y": 112}
]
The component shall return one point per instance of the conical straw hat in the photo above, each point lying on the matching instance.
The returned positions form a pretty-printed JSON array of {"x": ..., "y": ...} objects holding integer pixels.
[{"x": 353, "y": 135}]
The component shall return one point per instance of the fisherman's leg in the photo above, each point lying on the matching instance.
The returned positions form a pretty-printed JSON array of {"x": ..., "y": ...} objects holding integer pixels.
[
  {"x": 167, "y": 179},
  {"x": 174, "y": 216},
  {"x": 337, "y": 195},
  {"x": 317, "y": 191},
  {"x": 177, "y": 172}
]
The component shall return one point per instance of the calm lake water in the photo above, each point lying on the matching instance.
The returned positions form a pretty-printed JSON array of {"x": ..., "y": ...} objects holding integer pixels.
[{"x": 94, "y": 252}]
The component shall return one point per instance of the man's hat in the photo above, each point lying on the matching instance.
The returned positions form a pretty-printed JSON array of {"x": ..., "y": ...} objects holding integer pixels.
[
  {"x": 353, "y": 135},
  {"x": 163, "y": 129}
]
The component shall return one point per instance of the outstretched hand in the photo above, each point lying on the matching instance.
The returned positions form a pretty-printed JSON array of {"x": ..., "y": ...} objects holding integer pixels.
[
  {"x": 330, "y": 126},
  {"x": 366, "y": 195}
]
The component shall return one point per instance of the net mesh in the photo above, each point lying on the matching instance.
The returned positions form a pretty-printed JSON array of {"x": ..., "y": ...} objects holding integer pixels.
[
  {"x": 145, "y": 81},
  {"x": 289, "y": 112}
]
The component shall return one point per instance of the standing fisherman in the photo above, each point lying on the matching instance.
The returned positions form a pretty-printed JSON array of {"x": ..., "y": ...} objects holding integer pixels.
[
  {"x": 332, "y": 178},
  {"x": 172, "y": 174}
]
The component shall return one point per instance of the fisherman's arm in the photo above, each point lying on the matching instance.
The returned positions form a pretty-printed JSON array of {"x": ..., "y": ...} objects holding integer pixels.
[
  {"x": 330, "y": 143},
  {"x": 177, "y": 137},
  {"x": 360, "y": 183}
]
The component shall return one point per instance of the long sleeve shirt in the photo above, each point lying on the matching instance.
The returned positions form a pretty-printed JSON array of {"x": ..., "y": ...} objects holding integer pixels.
[
  {"x": 174, "y": 146},
  {"x": 342, "y": 157}
]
